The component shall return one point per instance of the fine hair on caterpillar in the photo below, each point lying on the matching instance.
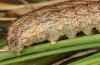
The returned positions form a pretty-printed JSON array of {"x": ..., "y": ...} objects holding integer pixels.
[{"x": 54, "y": 21}]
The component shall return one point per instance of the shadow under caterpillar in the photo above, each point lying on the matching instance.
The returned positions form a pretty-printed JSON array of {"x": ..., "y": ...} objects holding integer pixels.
[{"x": 51, "y": 22}]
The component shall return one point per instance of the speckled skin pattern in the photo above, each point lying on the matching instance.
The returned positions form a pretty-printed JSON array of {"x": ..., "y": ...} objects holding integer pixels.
[{"x": 51, "y": 22}]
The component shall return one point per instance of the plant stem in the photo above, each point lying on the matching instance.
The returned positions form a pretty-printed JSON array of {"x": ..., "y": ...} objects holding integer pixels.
[
  {"x": 51, "y": 52},
  {"x": 87, "y": 60},
  {"x": 95, "y": 63},
  {"x": 43, "y": 61}
]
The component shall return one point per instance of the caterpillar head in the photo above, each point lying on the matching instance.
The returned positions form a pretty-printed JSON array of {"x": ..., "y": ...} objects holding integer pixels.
[
  {"x": 13, "y": 44},
  {"x": 18, "y": 37}
]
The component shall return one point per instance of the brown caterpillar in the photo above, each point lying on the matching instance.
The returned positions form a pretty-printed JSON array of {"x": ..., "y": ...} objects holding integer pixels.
[{"x": 51, "y": 22}]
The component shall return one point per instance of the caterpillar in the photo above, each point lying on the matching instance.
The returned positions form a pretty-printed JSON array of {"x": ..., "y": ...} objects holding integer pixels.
[{"x": 53, "y": 21}]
